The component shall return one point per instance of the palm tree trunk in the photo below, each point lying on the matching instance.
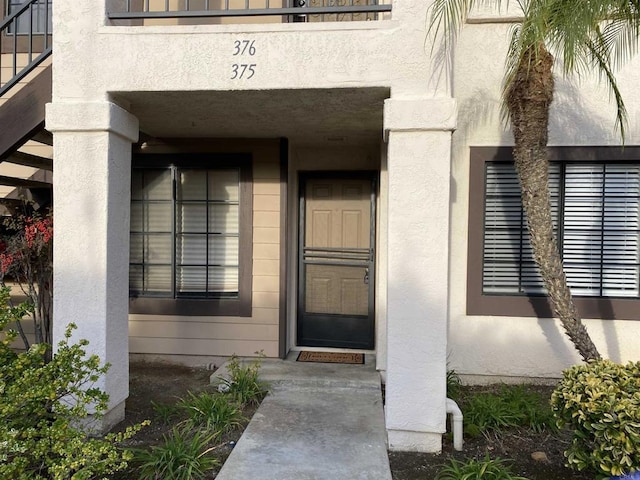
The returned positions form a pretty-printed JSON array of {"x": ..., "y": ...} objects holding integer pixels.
[{"x": 529, "y": 97}]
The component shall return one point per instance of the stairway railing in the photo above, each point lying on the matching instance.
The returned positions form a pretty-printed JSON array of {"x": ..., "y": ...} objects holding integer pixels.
[{"x": 18, "y": 43}]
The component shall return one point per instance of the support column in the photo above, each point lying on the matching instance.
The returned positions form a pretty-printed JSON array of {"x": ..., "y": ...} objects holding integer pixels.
[
  {"x": 418, "y": 133},
  {"x": 92, "y": 178}
]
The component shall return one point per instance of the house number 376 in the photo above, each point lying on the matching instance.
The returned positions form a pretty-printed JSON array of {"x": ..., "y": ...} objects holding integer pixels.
[{"x": 243, "y": 48}]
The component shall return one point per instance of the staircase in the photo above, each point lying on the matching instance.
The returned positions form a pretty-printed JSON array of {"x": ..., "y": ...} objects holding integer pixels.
[{"x": 26, "y": 165}]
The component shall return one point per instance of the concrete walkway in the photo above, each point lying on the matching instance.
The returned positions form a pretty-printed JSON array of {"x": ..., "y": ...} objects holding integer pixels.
[{"x": 320, "y": 421}]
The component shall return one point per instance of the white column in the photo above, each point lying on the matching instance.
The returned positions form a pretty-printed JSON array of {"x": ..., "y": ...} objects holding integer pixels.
[
  {"x": 419, "y": 152},
  {"x": 92, "y": 171}
]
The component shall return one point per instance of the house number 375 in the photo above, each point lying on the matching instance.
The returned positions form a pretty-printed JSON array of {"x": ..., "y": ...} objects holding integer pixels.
[{"x": 243, "y": 48}]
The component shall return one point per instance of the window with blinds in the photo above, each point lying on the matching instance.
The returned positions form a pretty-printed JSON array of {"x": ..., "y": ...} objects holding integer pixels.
[
  {"x": 185, "y": 228},
  {"x": 596, "y": 209},
  {"x": 40, "y": 17}
]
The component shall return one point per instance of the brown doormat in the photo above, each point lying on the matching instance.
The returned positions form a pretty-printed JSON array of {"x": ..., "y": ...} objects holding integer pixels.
[{"x": 331, "y": 357}]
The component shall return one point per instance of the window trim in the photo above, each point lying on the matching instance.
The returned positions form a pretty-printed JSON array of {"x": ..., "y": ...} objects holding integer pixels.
[
  {"x": 479, "y": 303},
  {"x": 233, "y": 307}
]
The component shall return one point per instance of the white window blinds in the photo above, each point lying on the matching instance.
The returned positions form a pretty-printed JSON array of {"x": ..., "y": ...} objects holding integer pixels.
[
  {"x": 185, "y": 240},
  {"x": 597, "y": 209}
]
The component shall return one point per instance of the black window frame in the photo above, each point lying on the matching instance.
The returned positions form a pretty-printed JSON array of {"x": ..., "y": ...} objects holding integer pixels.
[
  {"x": 212, "y": 306},
  {"x": 531, "y": 305}
]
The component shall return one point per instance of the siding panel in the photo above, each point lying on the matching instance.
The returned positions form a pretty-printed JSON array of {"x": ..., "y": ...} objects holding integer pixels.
[
  {"x": 223, "y": 336},
  {"x": 211, "y": 331}
]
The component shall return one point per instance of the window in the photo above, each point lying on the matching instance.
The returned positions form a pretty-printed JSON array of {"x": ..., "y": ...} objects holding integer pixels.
[
  {"x": 596, "y": 214},
  {"x": 190, "y": 241},
  {"x": 40, "y": 16}
]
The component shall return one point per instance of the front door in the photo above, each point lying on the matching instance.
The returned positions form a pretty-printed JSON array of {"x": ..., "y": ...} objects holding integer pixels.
[{"x": 336, "y": 261}]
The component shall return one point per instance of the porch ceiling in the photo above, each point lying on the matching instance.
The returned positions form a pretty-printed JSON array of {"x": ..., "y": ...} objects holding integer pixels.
[{"x": 350, "y": 116}]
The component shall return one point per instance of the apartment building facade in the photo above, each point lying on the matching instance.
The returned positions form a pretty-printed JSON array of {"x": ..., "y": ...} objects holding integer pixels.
[{"x": 236, "y": 176}]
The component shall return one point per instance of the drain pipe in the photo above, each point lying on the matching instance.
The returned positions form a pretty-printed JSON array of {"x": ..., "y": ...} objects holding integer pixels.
[{"x": 456, "y": 421}]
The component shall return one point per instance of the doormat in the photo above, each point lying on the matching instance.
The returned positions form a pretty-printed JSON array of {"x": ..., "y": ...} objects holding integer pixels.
[{"x": 331, "y": 357}]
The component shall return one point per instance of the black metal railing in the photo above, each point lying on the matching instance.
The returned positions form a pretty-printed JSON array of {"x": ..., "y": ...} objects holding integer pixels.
[
  {"x": 291, "y": 10},
  {"x": 25, "y": 40}
]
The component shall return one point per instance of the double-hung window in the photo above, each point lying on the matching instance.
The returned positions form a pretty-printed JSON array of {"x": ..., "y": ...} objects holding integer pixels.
[
  {"x": 595, "y": 205},
  {"x": 190, "y": 240}
]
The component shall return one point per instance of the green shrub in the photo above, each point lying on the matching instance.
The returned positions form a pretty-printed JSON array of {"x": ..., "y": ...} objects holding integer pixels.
[
  {"x": 184, "y": 455},
  {"x": 215, "y": 412},
  {"x": 600, "y": 403},
  {"x": 43, "y": 404},
  {"x": 486, "y": 469},
  {"x": 454, "y": 384},
  {"x": 166, "y": 413},
  {"x": 510, "y": 407},
  {"x": 244, "y": 383}
]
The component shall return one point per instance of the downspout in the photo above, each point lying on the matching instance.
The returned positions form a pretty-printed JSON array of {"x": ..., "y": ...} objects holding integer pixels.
[{"x": 456, "y": 421}]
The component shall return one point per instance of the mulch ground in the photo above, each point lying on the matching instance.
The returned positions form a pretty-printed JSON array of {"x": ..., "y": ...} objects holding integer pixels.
[
  {"x": 165, "y": 384},
  {"x": 515, "y": 445}
]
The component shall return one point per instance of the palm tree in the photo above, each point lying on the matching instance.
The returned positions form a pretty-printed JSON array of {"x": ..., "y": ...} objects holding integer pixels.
[{"x": 585, "y": 36}]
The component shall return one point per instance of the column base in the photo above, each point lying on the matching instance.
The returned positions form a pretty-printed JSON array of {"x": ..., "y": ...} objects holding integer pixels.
[
  {"x": 99, "y": 426},
  {"x": 407, "y": 441}
]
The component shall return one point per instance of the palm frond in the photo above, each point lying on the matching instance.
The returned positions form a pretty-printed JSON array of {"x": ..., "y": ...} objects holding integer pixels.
[{"x": 603, "y": 66}]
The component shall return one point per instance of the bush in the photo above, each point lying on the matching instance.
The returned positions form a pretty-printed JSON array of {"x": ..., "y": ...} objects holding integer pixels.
[
  {"x": 600, "y": 403},
  {"x": 243, "y": 382},
  {"x": 210, "y": 411},
  {"x": 512, "y": 406},
  {"x": 486, "y": 469},
  {"x": 184, "y": 455},
  {"x": 42, "y": 405}
]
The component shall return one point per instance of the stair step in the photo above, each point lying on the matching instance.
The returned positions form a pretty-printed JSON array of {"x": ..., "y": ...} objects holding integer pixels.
[
  {"x": 21, "y": 182},
  {"x": 43, "y": 136},
  {"x": 22, "y": 115},
  {"x": 30, "y": 160}
]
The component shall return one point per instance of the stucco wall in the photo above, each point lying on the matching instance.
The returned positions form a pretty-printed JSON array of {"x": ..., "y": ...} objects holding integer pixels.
[
  {"x": 96, "y": 62},
  {"x": 581, "y": 115},
  {"x": 198, "y": 57}
]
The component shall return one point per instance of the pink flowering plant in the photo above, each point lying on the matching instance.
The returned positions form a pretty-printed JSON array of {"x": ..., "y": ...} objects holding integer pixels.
[{"x": 26, "y": 261}]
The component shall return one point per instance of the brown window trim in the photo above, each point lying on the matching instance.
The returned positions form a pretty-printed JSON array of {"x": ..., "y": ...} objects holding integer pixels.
[
  {"x": 521, "y": 305},
  {"x": 233, "y": 307},
  {"x": 22, "y": 44}
]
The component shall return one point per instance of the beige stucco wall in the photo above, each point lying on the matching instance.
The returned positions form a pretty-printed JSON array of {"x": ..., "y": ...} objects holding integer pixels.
[
  {"x": 581, "y": 115},
  {"x": 222, "y": 335}
]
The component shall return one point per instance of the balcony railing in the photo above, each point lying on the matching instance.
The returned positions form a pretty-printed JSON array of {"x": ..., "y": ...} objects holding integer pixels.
[
  {"x": 25, "y": 40},
  {"x": 223, "y": 11}
]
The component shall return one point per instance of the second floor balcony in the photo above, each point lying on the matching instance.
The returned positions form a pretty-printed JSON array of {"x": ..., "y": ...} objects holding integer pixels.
[{"x": 190, "y": 12}]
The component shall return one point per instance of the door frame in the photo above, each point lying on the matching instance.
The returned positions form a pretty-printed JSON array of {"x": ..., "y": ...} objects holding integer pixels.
[{"x": 303, "y": 176}]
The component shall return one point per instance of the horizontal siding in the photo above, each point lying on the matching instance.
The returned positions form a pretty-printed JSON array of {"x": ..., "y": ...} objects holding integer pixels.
[
  {"x": 266, "y": 267},
  {"x": 266, "y": 252},
  {"x": 265, "y": 283},
  {"x": 256, "y": 319},
  {"x": 6, "y": 71},
  {"x": 223, "y": 336},
  {"x": 266, "y": 203},
  {"x": 205, "y": 347},
  {"x": 266, "y": 219},
  {"x": 209, "y": 330},
  {"x": 267, "y": 186},
  {"x": 266, "y": 299},
  {"x": 262, "y": 235}
]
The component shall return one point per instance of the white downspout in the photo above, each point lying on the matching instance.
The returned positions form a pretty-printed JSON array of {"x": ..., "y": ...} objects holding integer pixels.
[{"x": 456, "y": 421}]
